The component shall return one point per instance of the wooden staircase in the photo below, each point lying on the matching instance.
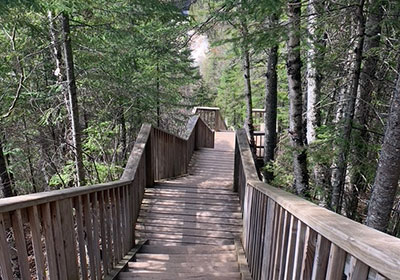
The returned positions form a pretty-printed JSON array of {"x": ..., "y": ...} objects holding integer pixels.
[
  {"x": 184, "y": 262},
  {"x": 192, "y": 222}
]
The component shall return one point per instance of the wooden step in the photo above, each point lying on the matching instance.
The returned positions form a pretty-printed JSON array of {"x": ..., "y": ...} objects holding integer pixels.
[
  {"x": 200, "y": 258},
  {"x": 191, "y": 225},
  {"x": 146, "y": 204},
  {"x": 187, "y": 232},
  {"x": 191, "y": 218},
  {"x": 187, "y": 239},
  {"x": 183, "y": 195},
  {"x": 173, "y": 276},
  {"x": 156, "y": 266},
  {"x": 190, "y": 212},
  {"x": 190, "y": 250}
]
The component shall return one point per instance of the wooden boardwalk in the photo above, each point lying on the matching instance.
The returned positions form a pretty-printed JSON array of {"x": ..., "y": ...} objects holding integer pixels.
[{"x": 192, "y": 222}]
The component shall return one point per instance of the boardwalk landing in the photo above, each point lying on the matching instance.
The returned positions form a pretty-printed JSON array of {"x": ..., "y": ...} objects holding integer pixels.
[{"x": 192, "y": 222}]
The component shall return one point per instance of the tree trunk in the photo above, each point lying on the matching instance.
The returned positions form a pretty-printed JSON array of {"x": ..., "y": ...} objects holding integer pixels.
[
  {"x": 388, "y": 171},
  {"x": 343, "y": 136},
  {"x": 5, "y": 179},
  {"x": 59, "y": 72},
  {"x": 313, "y": 75},
  {"x": 73, "y": 100},
  {"x": 321, "y": 172},
  {"x": 248, "y": 122},
  {"x": 270, "y": 116},
  {"x": 362, "y": 114},
  {"x": 296, "y": 100}
]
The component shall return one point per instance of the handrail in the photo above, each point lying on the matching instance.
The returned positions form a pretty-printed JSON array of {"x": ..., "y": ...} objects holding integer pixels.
[
  {"x": 82, "y": 233},
  {"x": 287, "y": 237},
  {"x": 212, "y": 117}
]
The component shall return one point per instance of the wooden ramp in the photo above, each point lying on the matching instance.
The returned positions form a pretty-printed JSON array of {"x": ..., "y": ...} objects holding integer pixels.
[{"x": 192, "y": 222}]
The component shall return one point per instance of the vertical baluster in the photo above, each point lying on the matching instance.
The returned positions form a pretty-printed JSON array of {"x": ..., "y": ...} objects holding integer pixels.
[
  {"x": 309, "y": 254},
  {"x": 5, "y": 264},
  {"x": 358, "y": 270},
  {"x": 81, "y": 237},
  {"x": 103, "y": 234},
  {"x": 299, "y": 251},
  {"x": 275, "y": 239},
  {"x": 49, "y": 241},
  {"x": 20, "y": 244},
  {"x": 108, "y": 222},
  {"x": 91, "y": 243},
  {"x": 123, "y": 220},
  {"x": 337, "y": 258},
  {"x": 291, "y": 248},
  {"x": 278, "y": 249},
  {"x": 69, "y": 237},
  {"x": 96, "y": 233},
  {"x": 321, "y": 258},
  {"x": 34, "y": 223},
  {"x": 59, "y": 239},
  {"x": 268, "y": 240},
  {"x": 285, "y": 244}
]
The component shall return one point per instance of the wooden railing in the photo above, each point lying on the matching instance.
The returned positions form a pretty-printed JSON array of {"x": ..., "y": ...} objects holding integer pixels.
[
  {"x": 82, "y": 233},
  {"x": 212, "y": 117},
  {"x": 258, "y": 119},
  {"x": 259, "y": 140},
  {"x": 287, "y": 237}
]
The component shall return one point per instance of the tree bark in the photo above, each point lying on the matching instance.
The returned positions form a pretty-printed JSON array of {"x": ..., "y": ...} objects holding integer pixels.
[
  {"x": 296, "y": 131},
  {"x": 4, "y": 174},
  {"x": 313, "y": 75},
  {"x": 343, "y": 135},
  {"x": 73, "y": 99},
  {"x": 270, "y": 116},
  {"x": 362, "y": 114},
  {"x": 388, "y": 171},
  {"x": 248, "y": 122}
]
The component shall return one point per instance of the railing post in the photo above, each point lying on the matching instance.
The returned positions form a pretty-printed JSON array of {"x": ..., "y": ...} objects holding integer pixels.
[
  {"x": 149, "y": 154},
  {"x": 236, "y": 167}
]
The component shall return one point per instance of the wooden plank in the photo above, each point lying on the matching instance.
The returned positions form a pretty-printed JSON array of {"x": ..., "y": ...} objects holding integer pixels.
[
  {"x": 69, "y": 236},
  {"x": 337, "y": 258},
  {"x": 280, "y": 239},
  {"x": 116, "y": 247},
  {"x": 20, "y": 244},
  {"x": 321, "y": 258},
  {"x": 34, "y": 222},
  {"x": 5, "y": 259},
  {"x": 268, "y": 240},
  {"x": 358, "y": 270},
  {"x": 91, "y": 243},
  {"x": 118, "y": 220},
  {"x": 108, "y": 223},
  {"x": 291, "y": 248},
  {"x": 103, "y": 230},
  {"x": 58, "y": 240},
  {"x": 299, "y": 251},
  {"x": 309, "y": 254},
  {"x": 96, "y": 234},
  {"x": 49, "y": 241},
  {"x": 79, "y": 214}
]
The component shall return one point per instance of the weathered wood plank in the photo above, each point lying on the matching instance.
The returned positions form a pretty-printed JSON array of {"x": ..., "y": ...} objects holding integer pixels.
[
  {"x": 5, "y": 259},
  {"x": 34, "y": 222},
  {"x": 79, "y": 214},
  {"x": 20, "y": 244},
  {"x": 321, "y": 258},
  {"x": 337, "y": 258}
]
